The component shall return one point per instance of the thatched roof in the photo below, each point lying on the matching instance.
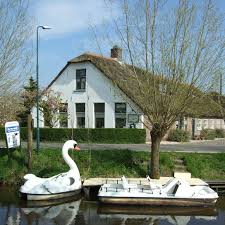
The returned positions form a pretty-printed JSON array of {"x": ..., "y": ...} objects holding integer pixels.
[
  {"x": 111, "y": 68},
  {"x": 123, "y": 76}
]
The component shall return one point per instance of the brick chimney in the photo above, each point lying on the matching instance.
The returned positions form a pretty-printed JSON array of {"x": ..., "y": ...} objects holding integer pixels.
[{"x": 116, "y": 53}]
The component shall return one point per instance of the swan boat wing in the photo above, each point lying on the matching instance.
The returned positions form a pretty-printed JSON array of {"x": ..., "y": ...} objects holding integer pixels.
[{"x": 63, "y": 185}]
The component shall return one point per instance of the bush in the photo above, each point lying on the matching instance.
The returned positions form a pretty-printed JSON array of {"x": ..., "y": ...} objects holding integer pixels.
[
  {"x": 178, "y": 135},
  {"x": 220, "y": 133},
  {"x": 101, "y": 135},
  {"x": 208, "y": 134},
  {"x": 2, "y": 133}
]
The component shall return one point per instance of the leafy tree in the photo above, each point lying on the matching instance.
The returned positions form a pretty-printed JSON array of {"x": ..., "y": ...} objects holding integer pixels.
[
  {"x": 29, "y": 99},
  {"x": 29, "y": 95}
]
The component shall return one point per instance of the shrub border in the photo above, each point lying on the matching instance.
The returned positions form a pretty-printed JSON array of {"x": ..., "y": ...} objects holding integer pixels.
[{"x": 98, "y": 135}]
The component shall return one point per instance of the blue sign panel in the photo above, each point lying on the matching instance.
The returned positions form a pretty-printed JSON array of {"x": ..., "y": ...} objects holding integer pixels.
[{"x": 12, "y": 129}]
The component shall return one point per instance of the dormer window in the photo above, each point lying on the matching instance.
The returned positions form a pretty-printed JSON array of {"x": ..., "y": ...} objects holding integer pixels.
[
  {"x": 162, "y": 88},
  {"x": 81, "y": 80}
]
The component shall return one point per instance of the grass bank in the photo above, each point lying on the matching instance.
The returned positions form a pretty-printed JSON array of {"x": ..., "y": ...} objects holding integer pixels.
[{"x": 108, "y": 163}]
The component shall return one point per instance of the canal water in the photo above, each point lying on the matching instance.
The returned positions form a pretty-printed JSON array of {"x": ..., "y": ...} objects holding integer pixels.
[{"x": 80, "y": 211}]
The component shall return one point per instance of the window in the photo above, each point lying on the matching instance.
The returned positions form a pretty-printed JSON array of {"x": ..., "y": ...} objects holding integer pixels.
[
  {"x": 162, "y": 88},
  {"x": 80, "y": 113},
  {"x": 81, "y": 79},
  {"x": 120, "y": 115},
  {"x": 99, "y": 115},
  {"x": 63, "y": 115},
  {"x": 47, "y": 123}
]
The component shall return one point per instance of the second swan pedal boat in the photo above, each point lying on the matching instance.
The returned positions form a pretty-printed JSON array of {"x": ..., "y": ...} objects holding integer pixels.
[{"x": 176, "y": 192}]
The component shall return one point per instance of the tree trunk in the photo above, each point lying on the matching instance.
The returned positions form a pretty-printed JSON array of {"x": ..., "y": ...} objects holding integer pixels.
[
  {"x": 29, "y": 140},
  {"x": 156, "y": 137}
]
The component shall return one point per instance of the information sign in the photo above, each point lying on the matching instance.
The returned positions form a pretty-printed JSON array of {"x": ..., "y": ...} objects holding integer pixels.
[
  {"x": 12, "y": 131},
  {"x": 133, "y": 118}
]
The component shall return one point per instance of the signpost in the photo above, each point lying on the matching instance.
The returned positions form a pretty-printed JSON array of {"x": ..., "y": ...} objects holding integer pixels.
[
  {"x": 133, "y": 119},
  {"x": 12, "y": 132}
]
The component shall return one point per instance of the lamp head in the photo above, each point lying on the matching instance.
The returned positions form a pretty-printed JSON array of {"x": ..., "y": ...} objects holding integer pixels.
[{"x": 46, "y": 27}]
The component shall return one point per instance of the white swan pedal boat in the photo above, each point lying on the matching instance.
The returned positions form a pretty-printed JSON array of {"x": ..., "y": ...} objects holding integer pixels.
[
  {"x": 176, "y": 192},
  {"x": 60, "y": 186}
]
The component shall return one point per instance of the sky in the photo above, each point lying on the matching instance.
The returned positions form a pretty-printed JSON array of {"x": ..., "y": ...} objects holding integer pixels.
[{"x": 72, "y": 34}]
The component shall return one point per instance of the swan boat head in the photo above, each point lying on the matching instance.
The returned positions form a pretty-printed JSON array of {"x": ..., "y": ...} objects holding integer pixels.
[{"x": 71, "y": 144}]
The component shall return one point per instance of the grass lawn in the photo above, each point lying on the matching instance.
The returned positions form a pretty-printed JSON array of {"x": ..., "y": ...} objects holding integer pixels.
[{"x": 108, "y": 163}]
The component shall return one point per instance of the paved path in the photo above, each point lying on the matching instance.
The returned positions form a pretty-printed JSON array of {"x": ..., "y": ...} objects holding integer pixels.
[
  {"x": 197, "y": 146},
  {"x": 194, "y": 146}
]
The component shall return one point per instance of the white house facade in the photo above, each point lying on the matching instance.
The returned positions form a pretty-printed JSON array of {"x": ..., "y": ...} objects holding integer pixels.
[
  {"x": 205, "y": 123},
  {"x": 91, "y": 99}
]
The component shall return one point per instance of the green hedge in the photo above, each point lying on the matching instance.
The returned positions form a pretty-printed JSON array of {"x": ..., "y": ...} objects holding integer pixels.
[
  {"x": 208, "y": 134},
  {"x": 220, "y": 133},
  {"x": 179, "y": 135},
  {"x": 105, "y": 135}
]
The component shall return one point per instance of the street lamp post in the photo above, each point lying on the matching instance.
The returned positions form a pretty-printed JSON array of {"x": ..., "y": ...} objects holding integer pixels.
[
  {"x": 221, "y": 83},
  {"x": 37, "y": 95}
]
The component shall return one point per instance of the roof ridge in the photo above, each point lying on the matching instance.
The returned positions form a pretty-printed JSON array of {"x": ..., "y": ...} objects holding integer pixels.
[{"x": 94, "y": 55}]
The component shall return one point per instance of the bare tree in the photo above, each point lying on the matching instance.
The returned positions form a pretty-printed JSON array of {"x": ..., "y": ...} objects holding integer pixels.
[
  {"x": 15, "y": 30},
  {"x": 173, "y": 53},
  {"x": 11, "y": 106}
]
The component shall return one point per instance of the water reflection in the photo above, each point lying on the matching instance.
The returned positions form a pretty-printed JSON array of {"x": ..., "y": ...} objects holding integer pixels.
[
  {"x": 59, "y": 214},
  {"x": 158, "y": 215},
  {"x": 87, "y": 213}
]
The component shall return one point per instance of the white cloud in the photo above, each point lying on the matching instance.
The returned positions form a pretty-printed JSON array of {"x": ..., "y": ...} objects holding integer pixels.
[{"x": 69, "y": 16}]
